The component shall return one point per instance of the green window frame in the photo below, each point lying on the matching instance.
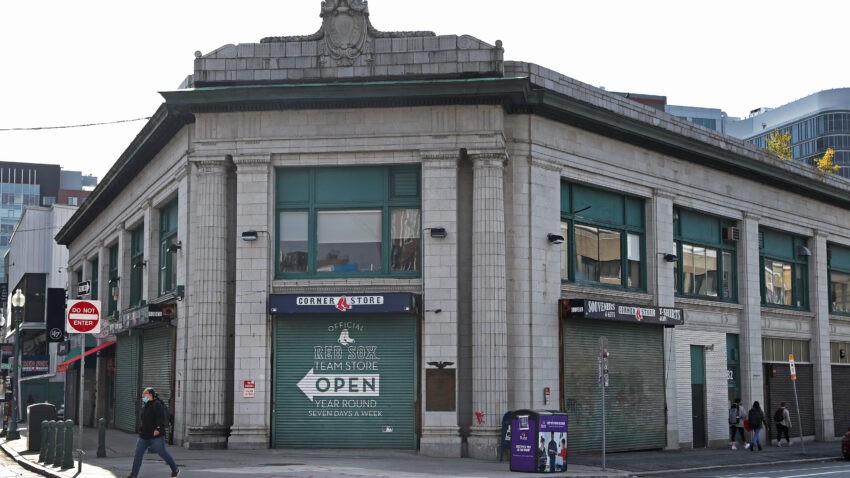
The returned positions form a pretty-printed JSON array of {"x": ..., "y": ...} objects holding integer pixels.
[
  {"x": 706, "y": 265},
  {"x": 95, "y": 265},
  {"x": 167, "y": 279},
  {"x": 353, "y": 221},
  {"x": 112, "y": 292},
  {"x": 137, "y": 253},
  {"x": 778, "y": 349},
  {"x": 784, "y": 270},
  {"x": 604, "y": 238},
  {"x": 838, "y": 263}
]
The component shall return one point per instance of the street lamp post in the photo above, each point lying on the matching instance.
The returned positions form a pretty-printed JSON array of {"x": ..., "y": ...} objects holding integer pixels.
[{"x": 18, "y": 301}]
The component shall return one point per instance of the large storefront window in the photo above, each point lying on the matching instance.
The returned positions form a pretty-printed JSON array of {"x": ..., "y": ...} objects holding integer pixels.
[
  {"x": 137, "y": 257},
  {"x": 348, "y": 221},
  {"x": 706, "y": 247},
  {"x": 604, "y": 238},
  {"x": 167, "y": 243},
  {"x": 839, "y": 280},
  {"x": 784, "y": 261}
]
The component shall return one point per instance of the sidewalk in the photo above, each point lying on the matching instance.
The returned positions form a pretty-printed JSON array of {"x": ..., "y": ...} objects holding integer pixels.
[{"x": 389, "y": 463}]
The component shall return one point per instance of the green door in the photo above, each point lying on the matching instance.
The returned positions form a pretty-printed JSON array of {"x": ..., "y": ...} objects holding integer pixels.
[
  {"x": 127, "y": 393},
  {"x": 634, "y": 398},
  {"x": 345, "y": 383}
]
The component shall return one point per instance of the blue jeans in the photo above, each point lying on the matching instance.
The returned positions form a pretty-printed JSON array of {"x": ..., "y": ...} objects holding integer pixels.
[
  {"x": 756, "y": 438},
  {"x": 156, "y": 444}
]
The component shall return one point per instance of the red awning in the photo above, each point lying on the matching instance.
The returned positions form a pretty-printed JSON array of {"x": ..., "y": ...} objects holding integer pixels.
[{"x": 63, "y": 367}]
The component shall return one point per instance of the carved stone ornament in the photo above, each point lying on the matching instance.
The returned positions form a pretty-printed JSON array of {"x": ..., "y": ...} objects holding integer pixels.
[
  {"x": 346, "y": 33},
  {"x": 345, "y": 23}
]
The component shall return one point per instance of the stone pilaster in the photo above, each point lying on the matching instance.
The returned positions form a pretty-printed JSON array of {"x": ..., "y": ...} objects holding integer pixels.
[
  {"x": 207, "y": 345},
  {"x": 440, "y": 432},
  {"x": 254, "y": 261},
  {"x": 489, "y": 316},
  {"x": 819, "y": 294},
  {"x": 752, "y": 378},
  {"x": 661, "y": 225}
]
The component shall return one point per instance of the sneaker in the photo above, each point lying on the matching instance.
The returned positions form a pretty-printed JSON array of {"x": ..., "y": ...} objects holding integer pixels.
[
  {"x": 747, "y": 446},
  {"x": 734, "y": 447},
  {"x": 779, "y": 444},
  {"x": 175, "y": 473}
]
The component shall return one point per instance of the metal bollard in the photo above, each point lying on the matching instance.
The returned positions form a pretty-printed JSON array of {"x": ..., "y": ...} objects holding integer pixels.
[
  {"x": 101, "y": 438},
  {"x": 41, "y": 449},
  {"x": 59, "y": 451},
  {"x": 68, "y": 456},
  {"x": 51, "y": 443}
]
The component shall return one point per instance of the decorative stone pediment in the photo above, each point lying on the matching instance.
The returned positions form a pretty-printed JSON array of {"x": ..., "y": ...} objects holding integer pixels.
[
  {"x": 347, "y": 46},
  {"x": 345, "y": 24}
]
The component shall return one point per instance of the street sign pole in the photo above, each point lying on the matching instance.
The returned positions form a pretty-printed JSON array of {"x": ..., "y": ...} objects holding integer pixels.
[
  {"x": 82, "y": 317},
  {"x": 796, "y": 400}
]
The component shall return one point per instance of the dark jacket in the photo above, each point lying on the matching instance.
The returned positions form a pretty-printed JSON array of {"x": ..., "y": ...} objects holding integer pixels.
[
  {"x": 152, "y": 417},
  {"x": 756, "y": 418}
]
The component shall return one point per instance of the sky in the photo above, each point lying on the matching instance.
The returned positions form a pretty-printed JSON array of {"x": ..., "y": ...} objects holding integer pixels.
[{"x": 66, "y": 63}]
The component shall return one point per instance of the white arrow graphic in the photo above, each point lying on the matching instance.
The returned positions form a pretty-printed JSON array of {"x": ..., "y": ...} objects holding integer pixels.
[{"x": 340, "y": 385}]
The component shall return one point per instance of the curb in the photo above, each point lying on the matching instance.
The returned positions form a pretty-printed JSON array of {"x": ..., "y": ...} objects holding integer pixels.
[
  {"x": 29, "y": 465},
  {"x": 740, "y": 465}
]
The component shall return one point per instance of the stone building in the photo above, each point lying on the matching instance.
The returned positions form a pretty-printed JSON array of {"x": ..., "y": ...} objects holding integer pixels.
[{"x": 361, "y": 238}]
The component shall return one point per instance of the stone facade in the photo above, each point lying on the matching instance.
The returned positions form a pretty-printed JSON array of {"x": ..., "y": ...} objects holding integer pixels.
[{"x": 494, "y": 141}]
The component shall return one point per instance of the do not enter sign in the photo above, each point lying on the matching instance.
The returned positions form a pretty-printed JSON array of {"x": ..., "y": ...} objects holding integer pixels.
[{"x": 83, "y": 317}]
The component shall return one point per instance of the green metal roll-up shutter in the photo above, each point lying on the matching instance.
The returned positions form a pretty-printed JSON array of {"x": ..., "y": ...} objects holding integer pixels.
[
  {"x": 158, "y": 360},
  {"x": 127, "y": 382},
  {"x": 345, "y": 383},
  {"x": 840, "y": 398},
  {"x": 634, "y": 399}
]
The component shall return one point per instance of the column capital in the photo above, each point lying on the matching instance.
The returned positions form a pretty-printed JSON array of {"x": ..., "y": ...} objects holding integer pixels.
[
  {"x": 449, "y": 157},
  {"x": 252, "y": 159},
  {"x": 818, "y": 234},
  {"x": 748, "y": 216},
  {"x": 209, "y": 165},
  {"x": 662, "y": 194},
  {"x": 488, "y": 159}
]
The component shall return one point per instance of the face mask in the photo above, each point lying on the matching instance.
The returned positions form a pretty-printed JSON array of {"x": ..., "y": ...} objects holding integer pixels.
[{"x": 145, "y": 399}]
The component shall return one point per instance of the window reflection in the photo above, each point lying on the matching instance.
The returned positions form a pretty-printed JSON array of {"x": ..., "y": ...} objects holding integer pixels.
[
  {"x": 293, "y": 241},
  {"x": 348, "y": 241},
  {"x": 840, "y": 290},
  {"x": 598, "y": 255},
  {"x": 778, "y": 286},
  {"x": 405, "y": 229},
  {"x": 699, "y": 270}
]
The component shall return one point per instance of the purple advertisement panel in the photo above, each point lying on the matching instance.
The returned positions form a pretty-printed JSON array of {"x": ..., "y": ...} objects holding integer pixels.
[
  {"x": 523, "y": 443},
  {"x": 553, "y": 443}
]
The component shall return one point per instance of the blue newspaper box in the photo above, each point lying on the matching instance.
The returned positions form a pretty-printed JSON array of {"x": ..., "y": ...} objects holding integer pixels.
[{"x": 539, "y": 441}]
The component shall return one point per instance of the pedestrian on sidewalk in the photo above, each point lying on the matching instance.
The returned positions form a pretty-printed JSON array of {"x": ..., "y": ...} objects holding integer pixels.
[
  {"x": 152, "y": 426},
  {"x": 736, "y": 424},
  {"x": 783, "y": 425},
  {"x": 756, "y": 419}
]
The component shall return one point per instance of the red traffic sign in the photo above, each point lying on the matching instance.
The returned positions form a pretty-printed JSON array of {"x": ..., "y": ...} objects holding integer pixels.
[{"x": 82, "y": 317}]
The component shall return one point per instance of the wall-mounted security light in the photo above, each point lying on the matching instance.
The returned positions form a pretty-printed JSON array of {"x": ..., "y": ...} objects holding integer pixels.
[
  {"x": 140, "y": 264},
  {"x": 114, "y": 280},
  {"x": 671, "y": 257},
  {"x": 438, "y": 232},
  {"x": 436, "y": 311},
  {"x": 174, "y": 247},
  {"x": 709, "y": 348},
  {"x": 555, "y": 238},
  {"x": 803, "y": 251},
  {"x": 249, "y": 235}
]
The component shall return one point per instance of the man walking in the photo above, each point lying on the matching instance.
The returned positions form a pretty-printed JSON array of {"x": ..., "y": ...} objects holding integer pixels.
[{"x": 152, "y": 428}]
